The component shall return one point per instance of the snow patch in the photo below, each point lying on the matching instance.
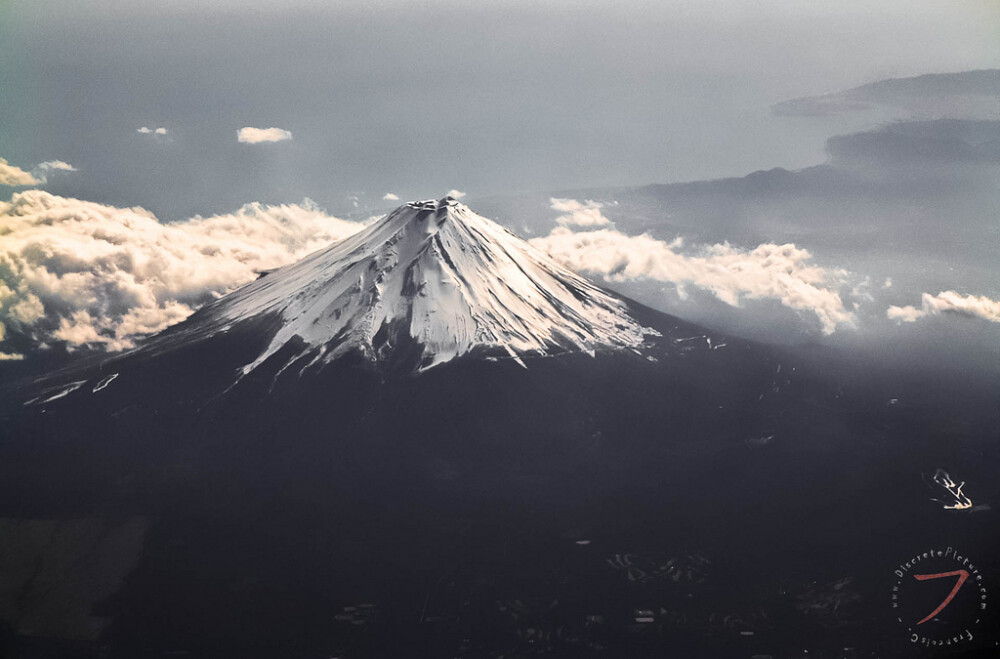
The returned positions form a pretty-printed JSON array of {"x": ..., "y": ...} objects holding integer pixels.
[
  {"x": 104, "y": 382},
  {"x": 55, "y": 394}
]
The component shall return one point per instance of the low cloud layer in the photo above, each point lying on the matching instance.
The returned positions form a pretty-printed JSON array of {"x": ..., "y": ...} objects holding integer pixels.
[
  {"x": 948, "y": 302},
  {"x": 781, "y": 272},
  {"x": 250, "y": 135},
  {"x": 580, "y": 214},
  {"x": 97, "y": 275}
]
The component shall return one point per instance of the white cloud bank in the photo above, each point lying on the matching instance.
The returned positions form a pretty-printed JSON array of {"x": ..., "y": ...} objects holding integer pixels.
[
  {"x": 13, "y": 176},
  {"x": 580, "y": 214},
  {"x": 780, "y": 272},
  {"x": 948, "y": 302},
  {"x": 91, "y": 274},
  {"x": 251, "y": 135}
]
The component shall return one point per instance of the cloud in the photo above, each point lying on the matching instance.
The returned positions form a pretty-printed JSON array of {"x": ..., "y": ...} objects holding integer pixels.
[
  {"x": 581, "y": 214},
  {"x": 97, "y": 275},
  {"x": 948, "y": 302},
  {"x": 14, "y": 176},
  {"x": 455, "y": 194},
  {"x": 146, "y": 130},
  {"x": 781, "y": 272},
  {"x": 250, "y": 135},
  {"x": 42, "y": 171},
  {"x": 390, "y": 197}
]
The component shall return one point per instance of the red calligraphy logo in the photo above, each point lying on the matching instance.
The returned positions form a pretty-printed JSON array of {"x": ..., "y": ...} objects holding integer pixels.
[{"x": 962, "y": 576}]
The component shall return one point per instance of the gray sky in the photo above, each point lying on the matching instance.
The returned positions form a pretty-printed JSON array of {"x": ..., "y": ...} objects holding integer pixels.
[{"x": 420, "y": 97}]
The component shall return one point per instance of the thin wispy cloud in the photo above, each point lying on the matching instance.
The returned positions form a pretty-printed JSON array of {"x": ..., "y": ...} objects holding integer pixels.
[
  {"x": 45, "y": 169},
  {"x": 146, "y": 130},
  {"x": 251, "y": 135},
  {"x": 948, "y": 302},
  {"x": 91, "y": 274}
]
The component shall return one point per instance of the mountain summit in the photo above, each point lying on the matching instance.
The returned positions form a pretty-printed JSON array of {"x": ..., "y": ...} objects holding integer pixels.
[{"x": 429, "y": 282}]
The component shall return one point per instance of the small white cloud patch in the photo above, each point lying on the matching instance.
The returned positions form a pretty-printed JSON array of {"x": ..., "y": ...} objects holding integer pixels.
[
  {"x": 580, "y": 214},
  {"x": 948, "y": 302},
  {"x": 907, "y": 314},
  {"x": 455, "y": 194},
  {"x": 146, "y": 130},
  {"x": 390, "y": 197},
  {"x": 251, "y": 135}
]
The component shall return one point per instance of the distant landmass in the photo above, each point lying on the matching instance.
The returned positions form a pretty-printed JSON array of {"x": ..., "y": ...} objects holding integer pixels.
[{"x": 969, "y": 94}]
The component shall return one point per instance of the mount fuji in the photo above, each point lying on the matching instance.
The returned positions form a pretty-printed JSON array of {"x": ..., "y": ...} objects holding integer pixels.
[
  {"x": 430, "y": 282},
  {"x": 430, "y": 439}
]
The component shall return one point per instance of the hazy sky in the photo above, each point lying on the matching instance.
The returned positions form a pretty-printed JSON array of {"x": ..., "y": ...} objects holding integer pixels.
[
  {"x": 190, "y": 108},
  {"x": 416, "y": 98}
]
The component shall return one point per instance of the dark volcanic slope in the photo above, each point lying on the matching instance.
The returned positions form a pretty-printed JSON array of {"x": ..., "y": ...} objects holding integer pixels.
[{"x": 443, "y": 499}]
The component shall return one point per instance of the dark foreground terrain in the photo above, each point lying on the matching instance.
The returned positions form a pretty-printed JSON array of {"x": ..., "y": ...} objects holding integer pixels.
[{"x": 725, "y": 500}]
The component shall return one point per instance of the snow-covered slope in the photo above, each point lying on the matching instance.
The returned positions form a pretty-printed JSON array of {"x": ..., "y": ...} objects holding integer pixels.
[{"x": 435, "y": 280}]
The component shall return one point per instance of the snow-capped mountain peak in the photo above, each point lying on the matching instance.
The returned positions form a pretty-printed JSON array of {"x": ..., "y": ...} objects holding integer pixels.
[{"x": 432, "y": 281}]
